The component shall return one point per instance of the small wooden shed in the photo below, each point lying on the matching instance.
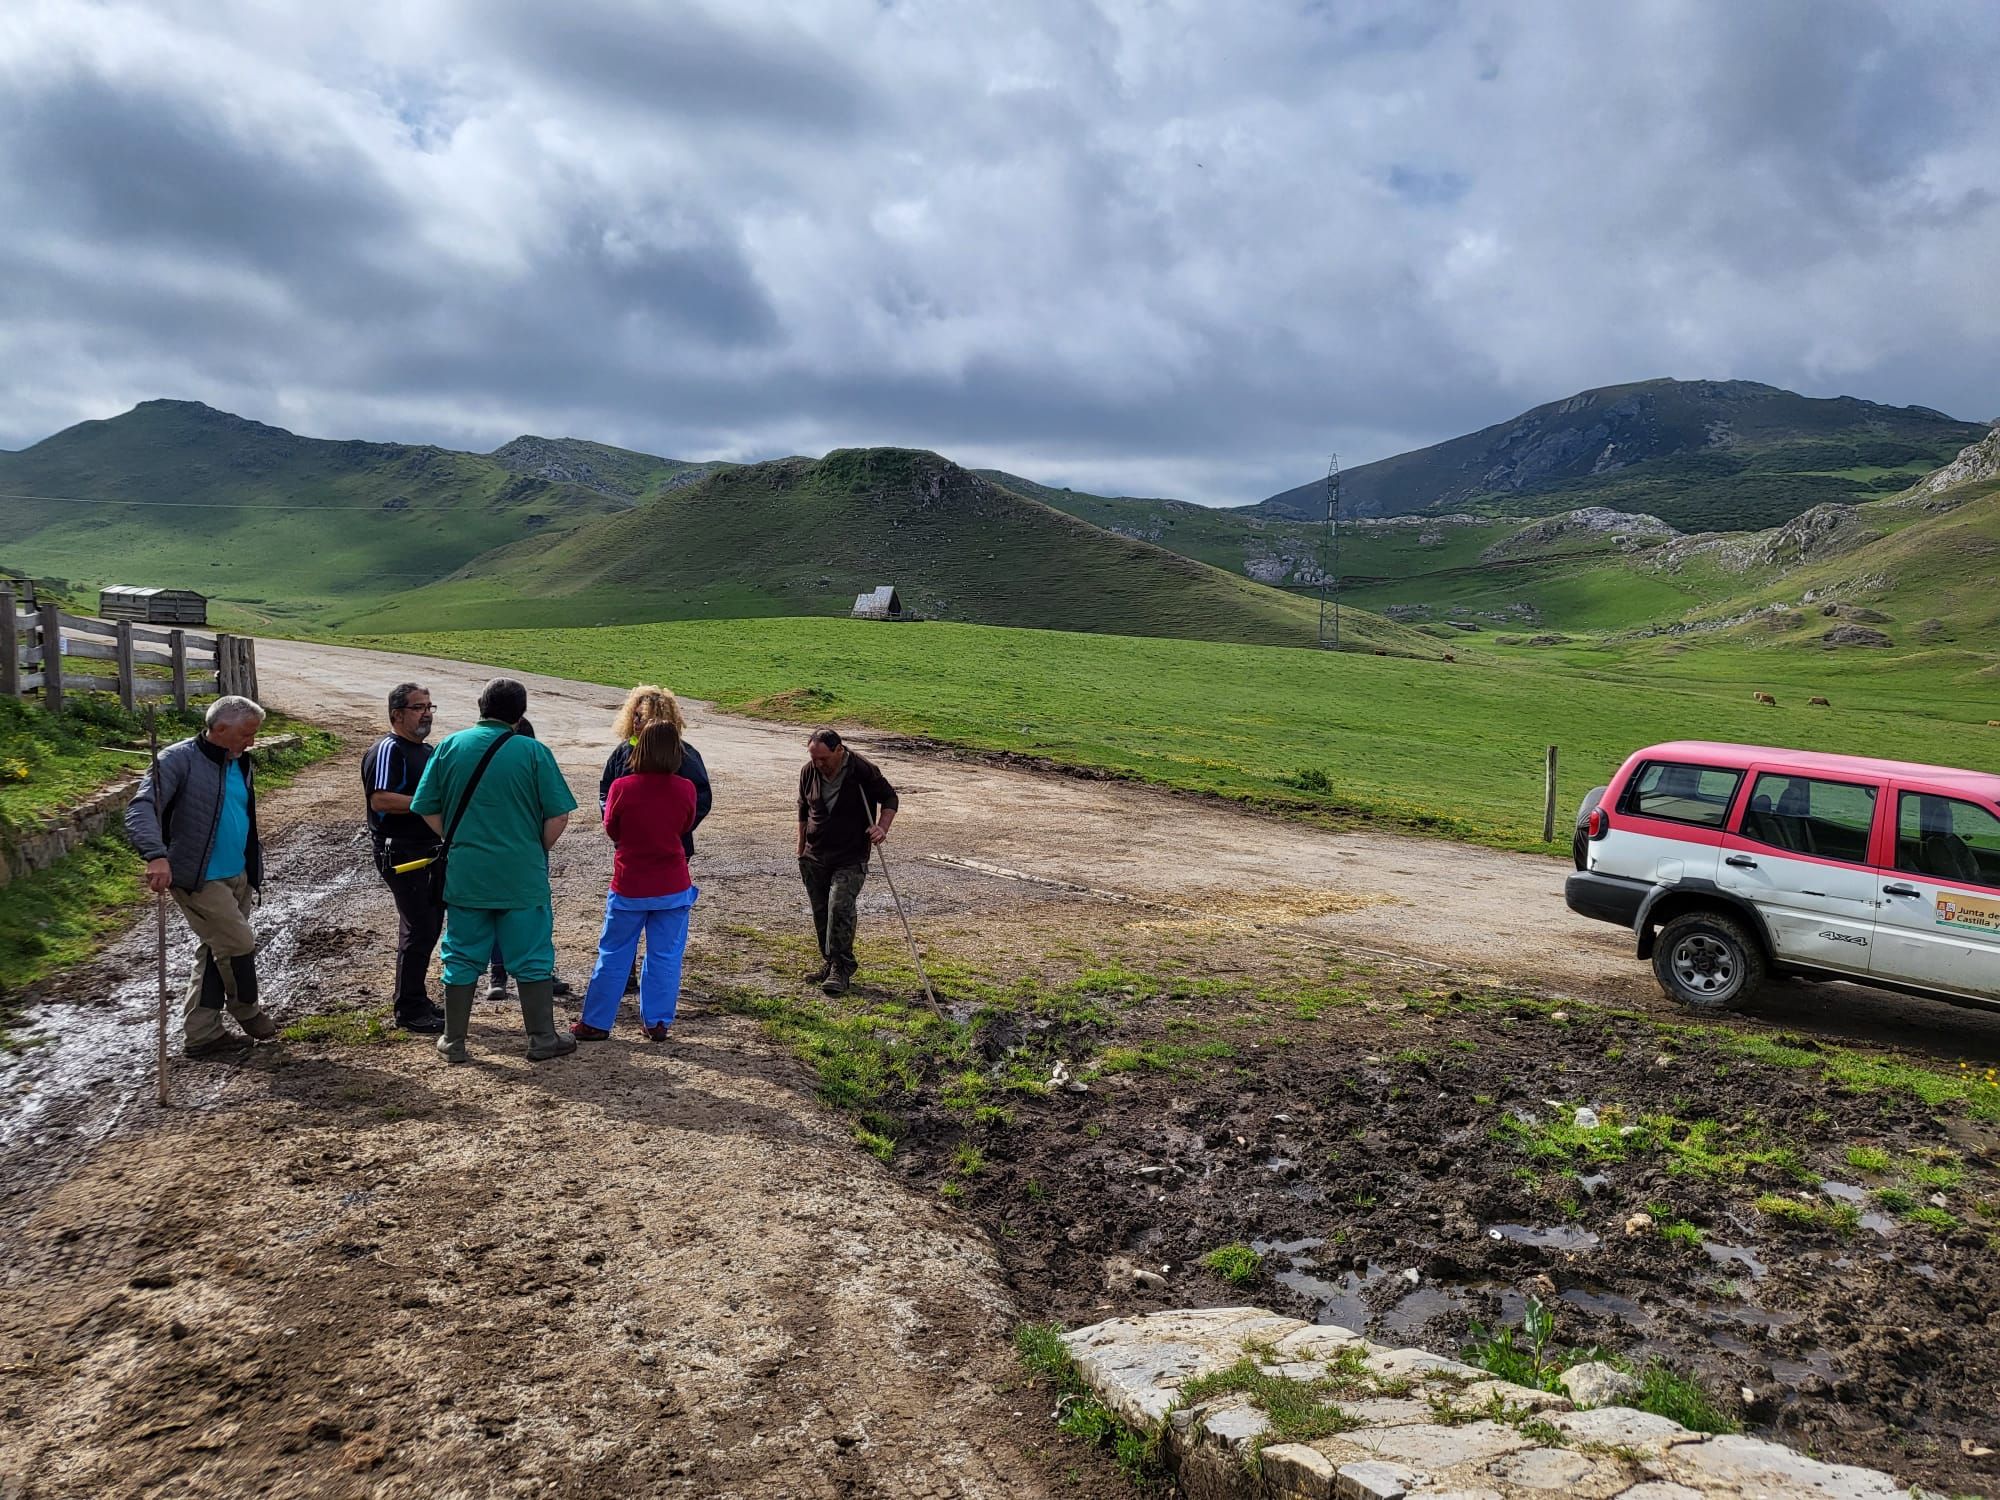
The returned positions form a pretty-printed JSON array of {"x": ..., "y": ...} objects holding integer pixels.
[
  {"x": 123, "y": 601},
  {"x": 882, "y": 604}
]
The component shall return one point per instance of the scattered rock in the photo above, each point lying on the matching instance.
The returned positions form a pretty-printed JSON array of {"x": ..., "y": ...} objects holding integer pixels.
[
  {"x": 1639, "y": 1224},
  {"x": 1586, "y": 1118},
  {"x": 1855, "y": 635},
  {"x": 1595, "y": 1383}
]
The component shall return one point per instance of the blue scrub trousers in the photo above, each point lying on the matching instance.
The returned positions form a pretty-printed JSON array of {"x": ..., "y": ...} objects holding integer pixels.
[{"x": 664, "y": 922}]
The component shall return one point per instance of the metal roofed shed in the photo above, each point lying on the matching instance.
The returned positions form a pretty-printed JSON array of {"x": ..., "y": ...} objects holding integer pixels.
[
  {"x": 152, "y": 606},
  {"x": 882, "y": 604}
]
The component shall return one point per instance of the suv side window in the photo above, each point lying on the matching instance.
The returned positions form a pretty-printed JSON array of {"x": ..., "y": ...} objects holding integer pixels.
[
  {"x": 1804, "y": 815},
  {"x": 1683, "y": 794},
  {"x": 1943, "y": 838}
]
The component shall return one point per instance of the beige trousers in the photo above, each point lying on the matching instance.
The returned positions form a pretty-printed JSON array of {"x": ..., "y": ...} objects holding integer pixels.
[{"x": 218, "y": 914}]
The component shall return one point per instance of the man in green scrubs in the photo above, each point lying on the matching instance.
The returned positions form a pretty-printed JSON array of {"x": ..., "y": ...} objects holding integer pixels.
[{"x": 496, "y": 890}]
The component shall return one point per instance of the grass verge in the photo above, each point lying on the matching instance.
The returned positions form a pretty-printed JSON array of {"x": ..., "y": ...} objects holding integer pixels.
[{"x": 1079, "y": 1413}]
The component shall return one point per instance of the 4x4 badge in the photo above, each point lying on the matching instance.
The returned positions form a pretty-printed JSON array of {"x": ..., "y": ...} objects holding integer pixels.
[{"x": 1845, "y": 937}]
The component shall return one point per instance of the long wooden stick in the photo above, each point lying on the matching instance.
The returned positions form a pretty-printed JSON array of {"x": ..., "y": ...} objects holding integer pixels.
[
  {"x": 159, "y": 928},
  {"x": 908, "y": 935}
]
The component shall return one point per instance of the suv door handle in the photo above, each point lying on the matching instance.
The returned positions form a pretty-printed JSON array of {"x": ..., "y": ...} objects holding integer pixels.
[
  {"x": 1899, "y": 889},
  {"x": 1741, "y": 861}
]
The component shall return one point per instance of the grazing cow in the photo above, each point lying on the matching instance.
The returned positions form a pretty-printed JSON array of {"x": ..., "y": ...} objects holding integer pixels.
[
  {"x": 1993, "y": 723},
  {"x": 1765, "y": 698},
  {"x": 1449, "y": 657},
  {"x": 1818, "y": 703}
]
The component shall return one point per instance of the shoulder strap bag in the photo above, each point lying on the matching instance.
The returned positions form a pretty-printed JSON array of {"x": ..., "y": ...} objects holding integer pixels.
[{"x": 437, "y": 864}]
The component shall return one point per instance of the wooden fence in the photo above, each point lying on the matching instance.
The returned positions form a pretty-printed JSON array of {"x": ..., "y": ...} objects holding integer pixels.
[{"x": 189, "y": 661}]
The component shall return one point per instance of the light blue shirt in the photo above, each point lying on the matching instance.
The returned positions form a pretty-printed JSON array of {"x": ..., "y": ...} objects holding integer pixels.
[{"x": 230, "y": 856}]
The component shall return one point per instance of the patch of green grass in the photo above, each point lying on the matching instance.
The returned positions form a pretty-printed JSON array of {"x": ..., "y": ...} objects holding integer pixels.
[
  {"x": 968, "y": 1160},
  {"x": 1666, "y": 1393},
  {"x": 342, "y": 1028},
  {"x": 1080, "y": 1414},
  {"x": 1237, "y": 1264},
  {"x": 1941, "y": 1174},
  {"x": 1165, "y": 1057},
  {"x": 1299, "y": 1411},
  {"x": 1933, "y": 1218},
  {"x": 1868, "y": 1158},
  {"x": 1680, "y": 1232},
  {"x": 1525, "y": 1355},
  {"x": 1795, "y": 1213},
  {"x": 1896, "y": 1200}
]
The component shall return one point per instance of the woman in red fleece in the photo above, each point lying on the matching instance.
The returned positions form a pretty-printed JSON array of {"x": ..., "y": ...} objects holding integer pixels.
[{"x": 646, "y": 815}]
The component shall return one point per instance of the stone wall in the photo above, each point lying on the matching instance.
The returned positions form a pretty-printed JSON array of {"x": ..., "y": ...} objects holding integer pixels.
[{"x": 1418, "y": 1427}]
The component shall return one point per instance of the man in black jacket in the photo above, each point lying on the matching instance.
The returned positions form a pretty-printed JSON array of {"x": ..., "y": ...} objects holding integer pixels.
[
  {"x": 845, "y": 809},
  {"x": 390, "y": 772}
]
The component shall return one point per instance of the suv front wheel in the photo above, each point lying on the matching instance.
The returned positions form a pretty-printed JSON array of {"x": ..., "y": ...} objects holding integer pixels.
[{"x": 1707, "y": 961}]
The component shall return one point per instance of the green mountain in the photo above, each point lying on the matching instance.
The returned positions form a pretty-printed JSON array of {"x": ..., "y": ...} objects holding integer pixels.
[
  {"x": 618, "y": 472},
  {"x": 799, "y": 536},
  {"x": 270, "y": 524},
  {"x": 1714, "y": 455}
]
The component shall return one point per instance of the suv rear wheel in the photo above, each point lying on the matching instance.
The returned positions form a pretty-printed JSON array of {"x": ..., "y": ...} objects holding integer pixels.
[{"x": 1707, "y": 961}]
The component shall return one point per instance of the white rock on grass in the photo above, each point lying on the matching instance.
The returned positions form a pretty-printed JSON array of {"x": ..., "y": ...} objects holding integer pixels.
[{"x": 1595, "y": 1383}]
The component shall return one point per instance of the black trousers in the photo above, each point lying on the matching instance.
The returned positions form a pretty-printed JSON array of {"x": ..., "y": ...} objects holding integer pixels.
[{"x": 419, "y": 921}]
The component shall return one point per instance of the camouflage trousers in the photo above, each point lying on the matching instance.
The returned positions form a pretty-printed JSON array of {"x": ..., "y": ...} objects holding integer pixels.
[{"x": 834, "y": 892}]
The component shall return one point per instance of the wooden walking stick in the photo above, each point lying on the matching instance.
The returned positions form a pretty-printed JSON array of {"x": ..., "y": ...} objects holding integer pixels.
[
  {"x": 908, "y": 936},
  {"x": 159, "y": 926}
]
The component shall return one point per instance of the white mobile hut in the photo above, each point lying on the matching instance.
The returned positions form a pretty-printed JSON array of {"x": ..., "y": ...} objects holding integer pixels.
[{"x": 882, "y": 604}]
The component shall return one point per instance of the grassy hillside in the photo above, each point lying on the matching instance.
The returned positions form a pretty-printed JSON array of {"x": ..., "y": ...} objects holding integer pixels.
[
  {"x": 1452, "y": 749},
  {"x": 280, "y": 528},
  {"x": 803, "y": 537},
  {"x": 1704, "y": 455},
  {"x": 618, "y": 472}
]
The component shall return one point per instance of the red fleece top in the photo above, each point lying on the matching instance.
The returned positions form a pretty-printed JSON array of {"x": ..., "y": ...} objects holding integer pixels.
[{"x": 646, "y": 814}]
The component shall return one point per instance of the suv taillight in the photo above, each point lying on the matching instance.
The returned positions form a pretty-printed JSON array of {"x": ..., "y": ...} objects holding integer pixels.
[{"x": 1599, "y": 824}]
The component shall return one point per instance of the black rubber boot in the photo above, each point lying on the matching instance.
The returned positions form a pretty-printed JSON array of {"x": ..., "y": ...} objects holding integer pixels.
[
  {"x": 457, "y": 1021},
  {"x": 538, "y": 1019},
  {"x": 243, "y": 969}
]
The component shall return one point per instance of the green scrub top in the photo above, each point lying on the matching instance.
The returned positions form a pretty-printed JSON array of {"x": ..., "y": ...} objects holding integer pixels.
[{"x": 497, "y": 861}]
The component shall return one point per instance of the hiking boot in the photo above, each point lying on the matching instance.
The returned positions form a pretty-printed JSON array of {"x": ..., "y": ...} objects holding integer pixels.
[
  {"x": 538, "y": 1019},
  {"x": 820, "y": 975},
  {"x": 427, "y": 1022},
  {"x": 583, "y": 1031},
  {"x": 496, "y": 992},
  {"x": 632, "y": 981},
  {"x": 836, "y": 983},
  {"x": 562, "y": 989},
  {"x": 657, "y": 1031},
  {"x": 260, "y": 1027},
  {"x": 226, "y": 1045},
  {"x": 457, "y": 1021}
]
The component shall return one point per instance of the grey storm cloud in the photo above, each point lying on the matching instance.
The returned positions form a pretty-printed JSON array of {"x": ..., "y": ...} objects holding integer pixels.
[{"x": 1162, "y": 247}]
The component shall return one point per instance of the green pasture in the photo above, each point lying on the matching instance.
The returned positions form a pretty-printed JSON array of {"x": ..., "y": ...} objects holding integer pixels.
[{"x": 1449, "y": 748}]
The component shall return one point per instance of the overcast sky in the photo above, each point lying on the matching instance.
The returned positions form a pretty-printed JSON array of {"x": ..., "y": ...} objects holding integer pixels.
[{"x": 1174, "y": 247}]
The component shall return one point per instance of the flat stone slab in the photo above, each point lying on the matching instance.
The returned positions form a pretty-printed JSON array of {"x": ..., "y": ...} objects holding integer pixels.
[{"x": 1422, "y": 1426}]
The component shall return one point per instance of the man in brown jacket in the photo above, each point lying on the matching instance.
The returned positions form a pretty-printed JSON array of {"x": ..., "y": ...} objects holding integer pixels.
[{"x": 845, "y": 809}]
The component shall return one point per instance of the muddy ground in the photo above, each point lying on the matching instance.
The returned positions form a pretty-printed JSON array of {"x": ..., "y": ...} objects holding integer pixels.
[{"x": 340, "y": 1268}]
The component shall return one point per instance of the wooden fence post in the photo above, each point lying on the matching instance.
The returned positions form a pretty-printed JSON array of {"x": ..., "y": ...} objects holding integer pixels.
[
  {"x": 128, "y": 688},
  {"x": 10, "y": 646},
  {"x": 250, "y": 668},
  {"x": 225, "y": 665},
  {"x": 179, "y": 645},
  {"x": 1549, "y": 799},
  {"x": 52, "y": 660}
]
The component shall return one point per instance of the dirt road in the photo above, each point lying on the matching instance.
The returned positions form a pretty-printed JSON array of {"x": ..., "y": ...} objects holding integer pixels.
[{"x": 346, "y": 1269}]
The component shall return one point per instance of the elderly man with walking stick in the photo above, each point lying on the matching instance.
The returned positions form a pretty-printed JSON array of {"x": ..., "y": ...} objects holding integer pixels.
[
  {"x": 845, "y": 809},
  {"x": 194, "y": 822}
]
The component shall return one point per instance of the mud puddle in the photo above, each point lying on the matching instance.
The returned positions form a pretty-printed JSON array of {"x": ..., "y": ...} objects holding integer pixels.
[
  {"x": 1386, "y": 1165},
  {"x": 88, "y": 1063}
]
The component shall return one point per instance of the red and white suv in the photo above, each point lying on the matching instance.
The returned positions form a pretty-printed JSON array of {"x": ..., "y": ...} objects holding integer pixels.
[{"x": 1731, "y": 863}]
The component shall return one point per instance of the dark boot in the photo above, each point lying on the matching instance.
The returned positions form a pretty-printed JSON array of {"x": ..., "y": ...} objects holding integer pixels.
[
  {"x": 243, "y": 969},
  {"x": 457, "y": 1022},
  {"x": 496, "y": 989},
  {"x": 538, "y": 1019},
  {"x": 821, "y": 974},
  {"x": 426, "y": 1022},
  {"x": 836, "y": 983}
]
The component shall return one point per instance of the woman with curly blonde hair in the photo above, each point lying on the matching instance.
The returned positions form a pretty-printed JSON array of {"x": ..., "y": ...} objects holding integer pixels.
[{"x": 649, "y": 704}]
